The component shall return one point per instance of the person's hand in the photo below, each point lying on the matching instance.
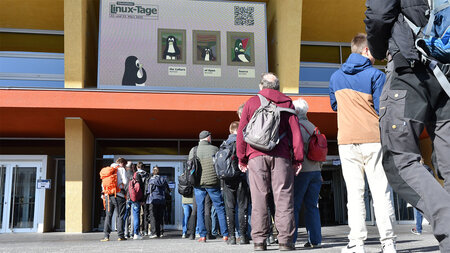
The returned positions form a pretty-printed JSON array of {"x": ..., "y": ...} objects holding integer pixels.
[
  {"x": 243, "y": 167},
  {"x": 297, "y": 168}
]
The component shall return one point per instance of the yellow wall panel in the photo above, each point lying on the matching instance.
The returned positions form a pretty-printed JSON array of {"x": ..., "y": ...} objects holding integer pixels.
[
  {"x": 32, "y": 14},
  {"x": 31, "y": 42},
  {"x": 337, "y": 21}
]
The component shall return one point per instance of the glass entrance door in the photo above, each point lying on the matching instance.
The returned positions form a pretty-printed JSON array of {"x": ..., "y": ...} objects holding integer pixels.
[{"x": 18, "y": 210}]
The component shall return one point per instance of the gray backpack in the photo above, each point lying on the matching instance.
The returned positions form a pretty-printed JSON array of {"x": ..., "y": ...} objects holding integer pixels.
[{"x": 262, "y": 131}]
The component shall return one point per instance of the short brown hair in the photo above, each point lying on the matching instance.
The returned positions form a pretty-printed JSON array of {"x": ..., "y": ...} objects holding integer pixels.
[
  {"x": 234, "y": 126},
  {"x": 155, "y": 170},
  {"x": 359, "y": 42},
  {"x": 121, "y": 160},
  {"x": 140, "y": 165}
]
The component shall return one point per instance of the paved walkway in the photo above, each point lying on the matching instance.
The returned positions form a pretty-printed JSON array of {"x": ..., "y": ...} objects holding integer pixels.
[{"x": 333, "y": 239}]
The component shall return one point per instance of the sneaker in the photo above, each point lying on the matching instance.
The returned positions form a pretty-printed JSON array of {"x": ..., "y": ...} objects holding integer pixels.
[
  {"x": 310, "y": 245},
  {"x": 191, "y": 237},
  {"x": 414, "y": 231},
  {"x": 121, "y": 239},
  {"x": 202, "y": 239},
  {"x": 353, "y": 249},
  {"x": 225, "y": 239},
  {"x": 271, "y": 240},
  {"x": 152, "y": 236},
  {"x": 210, "y": 237},
  {"x": 232, "y": 240},
  {"x": 244, "y": 240},
  {"x": 137, "y": 237},
  {"x": 183, "y": 236},
  {"x": 106, "y": 239},
  {"x": 389, "y": 247}
]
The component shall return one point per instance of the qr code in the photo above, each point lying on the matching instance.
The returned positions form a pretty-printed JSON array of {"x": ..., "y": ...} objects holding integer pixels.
[{"x": 244, "y": 15}]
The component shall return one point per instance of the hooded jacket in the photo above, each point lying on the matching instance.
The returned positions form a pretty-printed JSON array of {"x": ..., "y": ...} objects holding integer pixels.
[
  {"x": 288, "y": 125},
  {"x": 355, "y": 91},
  {"x": 156, "y": 190},
  {"x": 387, "y": 29}
]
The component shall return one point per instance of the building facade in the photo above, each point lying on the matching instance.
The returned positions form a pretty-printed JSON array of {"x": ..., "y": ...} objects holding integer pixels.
[{"x": 58, "y": 129}]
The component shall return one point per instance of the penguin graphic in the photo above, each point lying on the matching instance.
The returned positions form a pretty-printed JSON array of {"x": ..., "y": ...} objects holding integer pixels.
[
  {"x": 240, "y": 51},
  {"x": 172, "y": 52},
  {"x": 134, "y": 74},
  {"x": 207, "y": 54}
]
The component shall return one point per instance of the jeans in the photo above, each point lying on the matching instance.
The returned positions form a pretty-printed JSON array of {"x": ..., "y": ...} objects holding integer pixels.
[
  {"x": 419, "y": 218},
  {"x": 217, "y": 200},
  {"x": 214, "y": 221},
  {"x": 187, "y": 208},
  {"x": 306, "y": 191},
  {"x": 127, "y": 218},
  {"x": 136, "y": 208},
  {"x": 114, "y": 204}
]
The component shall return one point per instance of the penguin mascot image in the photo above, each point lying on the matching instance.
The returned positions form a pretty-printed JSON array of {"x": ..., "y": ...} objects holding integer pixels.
[
  {"x": 171, "y": 52},
  {"x": 134, "y": 74},
  {"x": 207, "y": 54},
  {"x": 240, "y": 54}
]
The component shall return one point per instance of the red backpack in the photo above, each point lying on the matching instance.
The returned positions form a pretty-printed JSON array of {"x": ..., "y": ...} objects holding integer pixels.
[
  {"x": 135, "y": 189},
  {"x": 317, "y": 145}
]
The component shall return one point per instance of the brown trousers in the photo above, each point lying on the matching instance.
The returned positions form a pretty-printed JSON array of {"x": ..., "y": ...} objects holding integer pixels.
[{"x": 266, "y": 172}]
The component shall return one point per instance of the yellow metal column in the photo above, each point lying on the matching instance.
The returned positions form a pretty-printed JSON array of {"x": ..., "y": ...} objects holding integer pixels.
[
  {"x": 79, "y": 170},
  {"x": 80, "y": 43},
  {"x": 284, "y": 19}
]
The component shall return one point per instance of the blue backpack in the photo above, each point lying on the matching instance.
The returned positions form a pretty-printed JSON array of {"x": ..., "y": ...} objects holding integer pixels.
[{"x": 433, "y": 41}]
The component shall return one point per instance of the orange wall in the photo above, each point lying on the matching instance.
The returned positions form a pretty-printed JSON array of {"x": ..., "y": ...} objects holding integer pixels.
[{"x": 336, "y": 21}]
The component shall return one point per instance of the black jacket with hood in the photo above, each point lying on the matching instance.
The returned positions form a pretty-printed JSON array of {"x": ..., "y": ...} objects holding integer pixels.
[{"x": 387, "y": 29}]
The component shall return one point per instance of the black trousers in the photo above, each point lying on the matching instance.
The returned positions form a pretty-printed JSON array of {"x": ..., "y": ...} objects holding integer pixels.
[
  {"x": 412, "y": 99},
  {"x": 156, "y": 216},
  {"x": 144, "y": 220},
  {"x": 117, "y": 204},
  {"x": 237, "y": 193},
  {"x": 192, "y": 227}
]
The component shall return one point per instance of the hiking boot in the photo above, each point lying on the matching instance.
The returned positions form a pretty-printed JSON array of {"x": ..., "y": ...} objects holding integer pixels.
[
  {"x": 137, "y": 237},
  {"x": 202, "y": 239},
  {"x": 353, "y": 248},
  {"x": 260, "y": 246},
  {"x": 210, "y": 237},
  {"x": 244, "y": 240},
  {"x": 310, "y": 245},
  {"x": 121, "y": 239},
  {"x": 286, "y": 246},
  {"x": 106, "y": 239},
  {"x": 232, "y": 240},
  {"x": 414, "y": 231}
]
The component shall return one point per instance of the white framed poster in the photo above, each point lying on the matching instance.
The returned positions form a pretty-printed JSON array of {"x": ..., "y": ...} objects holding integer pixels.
[{"x": 181, "y": 45}]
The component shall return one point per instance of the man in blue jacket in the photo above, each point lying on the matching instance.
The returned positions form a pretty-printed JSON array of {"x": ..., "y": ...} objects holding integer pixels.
[{"x": 354, "y": 93}]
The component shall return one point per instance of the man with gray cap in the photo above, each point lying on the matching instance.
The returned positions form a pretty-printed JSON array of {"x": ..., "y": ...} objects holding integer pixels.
[{"x": 209, "y": 184}]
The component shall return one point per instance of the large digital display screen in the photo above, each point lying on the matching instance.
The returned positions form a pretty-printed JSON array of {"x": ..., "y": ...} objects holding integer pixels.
[{"x": 182, "y": 45}]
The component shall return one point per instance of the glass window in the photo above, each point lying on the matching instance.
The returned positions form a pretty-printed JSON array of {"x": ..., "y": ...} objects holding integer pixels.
[{"x": 313, "y": 53}]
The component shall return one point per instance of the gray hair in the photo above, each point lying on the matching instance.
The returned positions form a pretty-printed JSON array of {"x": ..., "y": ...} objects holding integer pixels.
[
  {"x": 301, "y": 107},
  {"x": 270, "y": 81}
]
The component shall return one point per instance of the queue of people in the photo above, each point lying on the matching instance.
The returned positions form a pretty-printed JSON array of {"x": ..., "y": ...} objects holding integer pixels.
[{"x": 277, "y": 174}]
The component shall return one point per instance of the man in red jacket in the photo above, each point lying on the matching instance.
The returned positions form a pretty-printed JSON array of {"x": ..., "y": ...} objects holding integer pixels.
[{"x": 272, "y": 169}]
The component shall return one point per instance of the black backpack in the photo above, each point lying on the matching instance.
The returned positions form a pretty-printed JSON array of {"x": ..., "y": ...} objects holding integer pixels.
[
  {"x": 195, "y": 169},
  {"x": 185, "y": 187},
  {"x": 226, "y": 162}
]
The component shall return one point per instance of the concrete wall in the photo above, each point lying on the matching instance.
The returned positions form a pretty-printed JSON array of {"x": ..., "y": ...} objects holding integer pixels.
[{"x": 79, "y": 173}]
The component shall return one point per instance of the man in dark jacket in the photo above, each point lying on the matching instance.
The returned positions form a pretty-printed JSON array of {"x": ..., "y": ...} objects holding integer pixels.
[
  {"x": 209, "y": 185},
  {"x": 236, "y": 193},
  {"x": 156, "y": 199},
  {"x": 272, "y": 169},
  {"x": 411, "y": 100}
]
